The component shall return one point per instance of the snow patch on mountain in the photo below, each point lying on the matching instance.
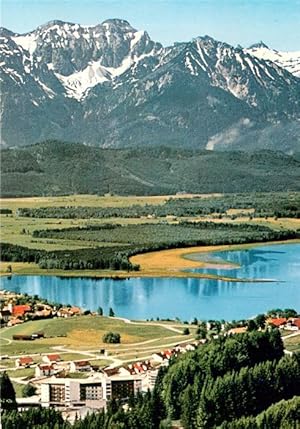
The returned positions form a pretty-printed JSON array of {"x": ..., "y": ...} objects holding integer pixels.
[
  {"x": 287, "y": 60},
  {"x": 78, "y": 84},
  {"x": 27, "y": 42}
]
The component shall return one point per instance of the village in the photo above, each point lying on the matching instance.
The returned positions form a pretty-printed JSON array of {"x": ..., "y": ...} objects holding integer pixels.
[{"x": 78, "y": 386}]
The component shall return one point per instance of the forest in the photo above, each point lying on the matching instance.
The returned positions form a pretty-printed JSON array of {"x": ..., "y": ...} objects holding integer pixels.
[
  {"x": 240, "y": 381},
  {"x": 59, "y": 168},
  {"x": 274, "y": 204}
]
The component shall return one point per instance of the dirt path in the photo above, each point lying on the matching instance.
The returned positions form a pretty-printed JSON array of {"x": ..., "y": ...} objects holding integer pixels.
[
  {"x": 162, "y": 325},
  {"x": 294, "y": 334}
]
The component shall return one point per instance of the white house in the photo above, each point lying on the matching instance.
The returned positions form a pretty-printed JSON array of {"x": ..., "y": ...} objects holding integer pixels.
[
  {"x": 45, "y": 370},
  {"x": 80, "y": 366}
]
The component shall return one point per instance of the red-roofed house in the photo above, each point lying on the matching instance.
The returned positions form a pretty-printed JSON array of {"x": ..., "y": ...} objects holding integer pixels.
[
  {"x": 20, "y": 310},
  {"x": 24, "y": 362},
  {"x": 293, "y": 324},
  {"x": 164, "y": 356},
  {"x": 136, "y": 368},
  {"x": 279, "y": 322},
  {"x": 51, "y": 358},
  {"x": 44, "y": 370},
  {"x": 168, "y": 353}
]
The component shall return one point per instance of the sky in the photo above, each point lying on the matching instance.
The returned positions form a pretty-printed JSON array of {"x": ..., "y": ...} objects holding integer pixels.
[{"x": 244, "y": 22}]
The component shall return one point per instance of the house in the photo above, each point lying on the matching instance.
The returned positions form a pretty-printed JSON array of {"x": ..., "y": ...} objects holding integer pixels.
[
  {"x": 80, "y": 366},
  {"x": 111, "y": 371},
  {"x": 76, "y": 311},
  {"x": 20, "y": 310},
  {"x": 158, "y": 357},
  {"x": 168, "y": 354},
  {"x": 45, "y": 313},
  {"x": 238, "y": 330},
  {"x": 5, "y": 315},
  {"x": 24, "y": 362},
  {"x": 293, "y": 324},
  {"x": 136, "y": 368},
  {"x": 183, "y": 348},
  {"x": 164, "y": 356},
  {"x": 51, "y": 358},
  {"x": 45, "y": 370},
  {"x": 64, "y": 312},
  {"x": 278, "y": 322}
]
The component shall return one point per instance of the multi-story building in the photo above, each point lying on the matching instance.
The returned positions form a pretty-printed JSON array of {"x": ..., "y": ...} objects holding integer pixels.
[{"x": 93, "y": 392}]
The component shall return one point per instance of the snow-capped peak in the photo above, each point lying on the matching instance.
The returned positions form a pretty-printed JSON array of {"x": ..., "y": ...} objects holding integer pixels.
[
  {"x": 260, "y": 44},
  {"x": 287, "y": 60}
]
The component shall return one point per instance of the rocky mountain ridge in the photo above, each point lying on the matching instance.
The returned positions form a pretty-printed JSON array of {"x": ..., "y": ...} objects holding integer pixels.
[{"x": 112, "y": 86}]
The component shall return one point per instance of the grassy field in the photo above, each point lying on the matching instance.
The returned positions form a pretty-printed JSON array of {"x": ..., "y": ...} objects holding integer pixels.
[
  {"x": 91, "y": 200},
  {"x": 79, "y": 333},
  {"x": 293, "y": 343},
  {"x": 21, "y": 373}
]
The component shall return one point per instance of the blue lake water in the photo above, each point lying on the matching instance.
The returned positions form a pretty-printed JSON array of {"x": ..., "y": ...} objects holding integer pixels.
[{"x": 142, "y": 298}]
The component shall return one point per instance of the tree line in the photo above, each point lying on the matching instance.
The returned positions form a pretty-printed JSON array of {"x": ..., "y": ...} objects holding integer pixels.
[
  {"x": 112, "y": 258},
  {"x": 263, "y": 205}
]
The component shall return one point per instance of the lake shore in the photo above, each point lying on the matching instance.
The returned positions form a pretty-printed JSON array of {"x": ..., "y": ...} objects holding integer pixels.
[{"x": 163, "y": 263}]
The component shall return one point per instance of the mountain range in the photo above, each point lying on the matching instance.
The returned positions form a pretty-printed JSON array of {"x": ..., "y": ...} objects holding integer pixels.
[{"x": 110, "y": 85}]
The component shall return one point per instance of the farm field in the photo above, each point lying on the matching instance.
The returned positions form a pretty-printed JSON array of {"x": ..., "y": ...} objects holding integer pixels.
[
  {"x": 18, "y": 230},
  {"x": 82, "y": 200},
  {"x": 137, "y": 234}
]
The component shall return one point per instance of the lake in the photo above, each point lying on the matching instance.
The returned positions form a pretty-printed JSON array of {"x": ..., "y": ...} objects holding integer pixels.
[{"x": 145, "y": 298}]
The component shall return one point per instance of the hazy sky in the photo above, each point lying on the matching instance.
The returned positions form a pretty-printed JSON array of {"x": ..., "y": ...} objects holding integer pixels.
[{"x": 276, "y": 22}]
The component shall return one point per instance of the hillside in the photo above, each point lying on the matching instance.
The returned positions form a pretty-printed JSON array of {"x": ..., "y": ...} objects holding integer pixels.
[{"x": 56, "y": 168}]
